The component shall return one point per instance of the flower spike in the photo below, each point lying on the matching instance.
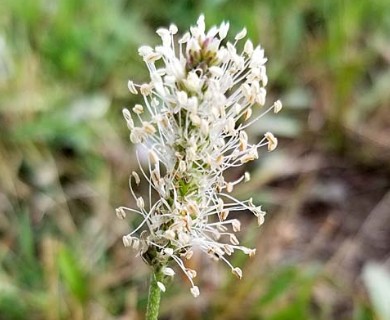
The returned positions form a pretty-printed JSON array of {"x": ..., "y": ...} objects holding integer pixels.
[{"x": 192, "y": 122}]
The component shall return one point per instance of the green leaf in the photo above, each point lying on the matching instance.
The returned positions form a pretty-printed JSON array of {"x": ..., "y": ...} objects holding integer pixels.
[
  {"x": 362, "y": 312},
  {"x": 293, "y": 311},
  {"x": 72, "y": 272},
  {"x": 279, "y": 284},
  {"x": 26, "y": 239},
  {"x": 12, "y": 307}
]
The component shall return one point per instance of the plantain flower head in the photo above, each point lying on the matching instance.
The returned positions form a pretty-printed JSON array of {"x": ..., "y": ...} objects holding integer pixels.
[{"x": 191, "y": 126}]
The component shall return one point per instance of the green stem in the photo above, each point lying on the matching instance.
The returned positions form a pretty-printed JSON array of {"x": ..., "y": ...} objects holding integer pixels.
[{"x": 154, "y": 296}]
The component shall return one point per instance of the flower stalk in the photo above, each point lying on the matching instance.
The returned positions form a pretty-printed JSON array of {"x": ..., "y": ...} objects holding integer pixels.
[{"x": 154, "y": 295}]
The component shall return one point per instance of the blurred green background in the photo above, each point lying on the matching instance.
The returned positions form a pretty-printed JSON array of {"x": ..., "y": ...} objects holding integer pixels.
[{"x": 324, "y": 251}]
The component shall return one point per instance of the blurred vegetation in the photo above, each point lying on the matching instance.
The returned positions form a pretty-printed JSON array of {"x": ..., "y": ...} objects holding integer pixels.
[{"x": 65, "y": 157}]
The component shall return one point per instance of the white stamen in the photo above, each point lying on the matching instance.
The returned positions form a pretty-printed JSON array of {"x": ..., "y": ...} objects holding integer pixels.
[
  {"x": 272, "y": 141},
  {"x": 277, "y": 106},
  {"x": 195, "y": 291},
  {"x": 131, "y": 86}
]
